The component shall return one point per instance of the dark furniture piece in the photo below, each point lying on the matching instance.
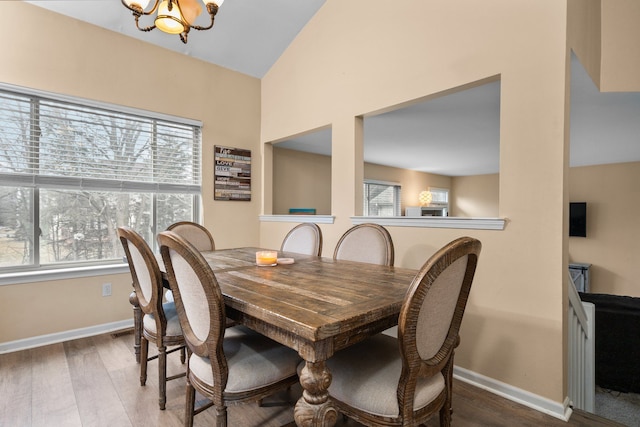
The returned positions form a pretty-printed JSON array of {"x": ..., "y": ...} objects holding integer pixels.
[{"x": 617, "y": 326}]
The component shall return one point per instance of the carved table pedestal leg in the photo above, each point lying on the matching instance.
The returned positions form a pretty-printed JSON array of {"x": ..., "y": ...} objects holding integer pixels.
[
  {"x": 137, "y": 324},
  {"x": 314, "y": 408}
]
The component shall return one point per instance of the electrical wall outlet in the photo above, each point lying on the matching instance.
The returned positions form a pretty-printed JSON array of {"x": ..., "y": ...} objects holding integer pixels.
[{"x": 106, "y": 289}]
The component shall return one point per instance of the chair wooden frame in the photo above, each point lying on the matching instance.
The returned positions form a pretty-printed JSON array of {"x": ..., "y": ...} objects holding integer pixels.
[
  {"x": 414, "y": 367},
  {"x": 317, "y": 248},
  {"x": 211, "y": 346},
  {"x": 150, "y": 303},
  {"x": 182, "y": 228},
  {"x": 384, "y": 235}
]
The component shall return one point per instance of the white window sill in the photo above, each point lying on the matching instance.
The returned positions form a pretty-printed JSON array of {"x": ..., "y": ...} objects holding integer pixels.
[
  {"x": 400, "y": 221},
  {"x": 318, "y": 219},
  {"x": 434, "y": 222},
  {"x": 62, "y": 273}
]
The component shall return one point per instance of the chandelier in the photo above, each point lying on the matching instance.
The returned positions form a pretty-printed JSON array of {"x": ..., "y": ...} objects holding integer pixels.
[{"x": 174, "y": 16}]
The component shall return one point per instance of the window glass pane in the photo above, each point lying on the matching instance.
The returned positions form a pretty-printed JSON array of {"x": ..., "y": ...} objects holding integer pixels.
[
  {"x": 73, "y": 173},
  {"x": 177, "y": 154},
  {"x": 173, "y": 208},
  {"x": 15, "y": 134},
  {"x": 439, "y": 195},
  {"x": 381, "y": 199},
  {"x": 119, "y": 148},
  {"x": 82, "y": 225},
  {"x": 16, "y": 226}
]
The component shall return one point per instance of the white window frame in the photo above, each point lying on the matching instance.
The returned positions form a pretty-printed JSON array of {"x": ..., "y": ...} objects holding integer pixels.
[
  {"x": 397, "y": 196},
  {"x": 36, "y": 181},
  {"x": 436, "y": 190}
]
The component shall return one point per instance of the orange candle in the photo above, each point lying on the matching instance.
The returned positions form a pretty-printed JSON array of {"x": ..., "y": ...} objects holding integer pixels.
[{"x": 266, "y": 258}]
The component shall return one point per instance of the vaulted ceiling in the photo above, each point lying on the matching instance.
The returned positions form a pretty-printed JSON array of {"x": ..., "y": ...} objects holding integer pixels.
[{"x": 454, "y": 135}]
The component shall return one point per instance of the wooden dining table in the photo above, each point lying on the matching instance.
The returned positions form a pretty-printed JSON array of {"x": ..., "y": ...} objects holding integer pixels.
[{"x": 316, "y": 306}]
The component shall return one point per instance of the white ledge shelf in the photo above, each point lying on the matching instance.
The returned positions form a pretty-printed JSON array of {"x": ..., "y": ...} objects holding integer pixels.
[
  {"x": 399, "y": 221},
  {"x": 318, "y": 219},
  {"x": 434, "y": 222},
  {"x": 41, "y": 275}
]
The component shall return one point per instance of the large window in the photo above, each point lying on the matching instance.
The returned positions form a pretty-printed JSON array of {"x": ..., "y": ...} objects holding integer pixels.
[
  {"x": 71, "y": 173},
  {"x": 381, "y": 198}
]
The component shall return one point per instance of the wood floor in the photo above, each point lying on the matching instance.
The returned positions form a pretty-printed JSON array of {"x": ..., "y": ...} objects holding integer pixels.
[{"x": 94, "y": 382}]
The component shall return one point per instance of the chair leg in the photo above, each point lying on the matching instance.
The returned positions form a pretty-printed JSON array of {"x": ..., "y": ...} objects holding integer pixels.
[
  {"x": 144, "y": 355},
  {"x": 182, "y": 355},
  {"x": 447, "y": 408},
  {"x": 162, "y": 372},
  {"x": 190, "y": 405},
  {"x": 445, "y": 416},
  {"x": 137, "y": 324},
  {"x": 221, "y": 416}
]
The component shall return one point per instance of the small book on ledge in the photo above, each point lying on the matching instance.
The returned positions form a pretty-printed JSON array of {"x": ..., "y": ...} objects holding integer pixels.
[{"x": 302, "y": 211}]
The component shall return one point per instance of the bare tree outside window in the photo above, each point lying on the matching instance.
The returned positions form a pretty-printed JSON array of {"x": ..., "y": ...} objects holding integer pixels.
[{"x": 70, "y": 175}]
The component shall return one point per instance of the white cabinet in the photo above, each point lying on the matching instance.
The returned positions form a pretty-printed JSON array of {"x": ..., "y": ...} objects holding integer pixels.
[{"x": 425, "y": 211}]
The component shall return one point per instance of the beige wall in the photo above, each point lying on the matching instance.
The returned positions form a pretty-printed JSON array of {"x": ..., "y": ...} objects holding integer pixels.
[
  {"x": 584, "y": 31},
  {"x": 475, "y": 196},
  {"x": 412, "y": 182},
  {"x": 604, "y": 35},
  {"x": 620, "y": 45},
  {"x": 304, "y": 180},
  {"x": 57, "y": 54},
  {"x": 612, "y": 193},
  {"x": 301, "y": 180},
  {"x": 344, "y": 64}
]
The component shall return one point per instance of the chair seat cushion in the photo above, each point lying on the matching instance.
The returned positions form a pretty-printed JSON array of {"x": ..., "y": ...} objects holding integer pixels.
[
  {"x": 366, "y": 375},
  {"x": 253, "y": 361},
  {"x": 173, "y": 323}
]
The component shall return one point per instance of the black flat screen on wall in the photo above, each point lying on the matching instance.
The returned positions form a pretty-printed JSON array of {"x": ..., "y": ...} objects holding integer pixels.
[{"x": 578, "y": 219}]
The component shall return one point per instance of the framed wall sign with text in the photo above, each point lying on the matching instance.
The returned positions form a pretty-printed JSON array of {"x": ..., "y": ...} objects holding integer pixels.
[{"x": 232, "y": 175}]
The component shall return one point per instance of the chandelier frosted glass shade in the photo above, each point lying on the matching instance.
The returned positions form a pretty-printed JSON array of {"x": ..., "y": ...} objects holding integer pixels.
[{"x": 173, "y": 16}]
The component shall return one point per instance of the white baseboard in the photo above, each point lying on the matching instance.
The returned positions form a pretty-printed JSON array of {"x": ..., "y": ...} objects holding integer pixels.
[
  {"x": 542, "y": 404},
  {"x": 41, "y": 340}
]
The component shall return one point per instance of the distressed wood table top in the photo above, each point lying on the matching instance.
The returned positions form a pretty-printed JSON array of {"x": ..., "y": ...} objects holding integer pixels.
[{"x": 316, "y": 299}]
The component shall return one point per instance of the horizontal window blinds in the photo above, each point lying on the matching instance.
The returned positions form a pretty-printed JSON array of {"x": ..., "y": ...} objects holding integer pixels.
[
  {"x": 381, "y": 199},
  {"x": 56, "y": 144}
]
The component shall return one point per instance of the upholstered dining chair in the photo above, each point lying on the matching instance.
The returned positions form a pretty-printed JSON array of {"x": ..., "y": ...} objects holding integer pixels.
[
  {"x": 384, "y": 381},
  {"x": 195, "y": 234},
  {"x": 226, "y": 365},
  {"x": 160, "y": 323},
  {"x": 305, "y": 238},
  {"x": 369, "y": 243}
]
